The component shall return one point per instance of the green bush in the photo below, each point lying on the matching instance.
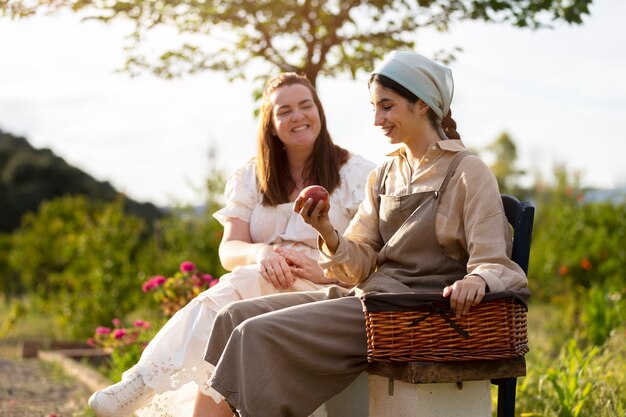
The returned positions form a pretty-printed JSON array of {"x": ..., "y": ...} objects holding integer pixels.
[
  {"x": 78, "y": 258},
  {"x": 576, "y": 243},
  {"x": 85, "y": 261}
]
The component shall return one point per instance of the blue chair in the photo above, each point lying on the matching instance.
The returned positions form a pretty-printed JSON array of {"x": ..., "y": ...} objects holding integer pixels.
[{"x": 520, "y": 215}]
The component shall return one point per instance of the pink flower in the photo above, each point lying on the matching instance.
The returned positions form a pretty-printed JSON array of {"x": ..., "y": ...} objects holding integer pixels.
[
  {"x": 103, "y": 330},
  {"x": 91, "y": 342},
  {"x": 214, "y": 282},
  {"x": 147, "y": 286},
  {"x": 119, "y": 333},
  {"x": 187, "y": 266},
  {"x": 142, "y": 324},
  {"x": 207, "y": 277},
  {"x": 153, "y": 283},
  {"x": 116, "y": 322}
]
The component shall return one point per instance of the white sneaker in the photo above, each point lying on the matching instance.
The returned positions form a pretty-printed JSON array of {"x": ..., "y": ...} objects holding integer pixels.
[{"x": 121, "y": 399}]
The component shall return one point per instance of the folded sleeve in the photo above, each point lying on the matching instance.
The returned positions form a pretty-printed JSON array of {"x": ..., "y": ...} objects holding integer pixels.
[{"x": 487, "y": 230}]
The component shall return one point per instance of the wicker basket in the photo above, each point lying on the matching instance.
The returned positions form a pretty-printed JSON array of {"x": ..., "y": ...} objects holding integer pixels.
[{"x": 421, "y": 327}]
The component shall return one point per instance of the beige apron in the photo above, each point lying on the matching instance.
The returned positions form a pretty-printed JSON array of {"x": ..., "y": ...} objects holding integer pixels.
[
  {"x": 411, "y": 258},
  {"x": 283, "y": 355}
]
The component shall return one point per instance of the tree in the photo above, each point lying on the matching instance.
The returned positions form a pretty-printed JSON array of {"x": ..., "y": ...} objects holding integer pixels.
[
  {"x": 314, "y": 37},
  {"x": 503, "y": 167}
]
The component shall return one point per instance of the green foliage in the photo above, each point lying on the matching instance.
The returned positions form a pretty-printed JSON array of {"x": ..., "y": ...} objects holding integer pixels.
[
  {"x": 571, "y": 380},
  {"x": 312, "y": 37},
  {"x": 578, "y": 382},
  {"x": 122, "y": 360},
  {"x": 46, "y": 242},
  {"x": 16, "y": 311},
  {"x": 78, "y": 257},
  {"x": 562, "y": 363},
  {"x": 9, "y": 280},
  {"x": 29, "y": 176},
  {"x": 602, "y": 312},
  {"x": 21, "y": 319},
  {"x": 558, "y": 384},
  {"x": 576, "y": 242},
  {"x": 609, "y": 397}
]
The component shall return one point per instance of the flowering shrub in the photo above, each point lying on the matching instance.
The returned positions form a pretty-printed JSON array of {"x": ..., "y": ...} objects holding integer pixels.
[
  {"x": 125, "y": 344},
  {"x": 118, "y": 337},
  {"x": 175, "y": 292}
]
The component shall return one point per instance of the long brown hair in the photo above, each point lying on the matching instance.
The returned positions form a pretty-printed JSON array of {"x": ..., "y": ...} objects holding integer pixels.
[
  {"x": 447, "y": 123},
  {"x": 272, "y": 171}
]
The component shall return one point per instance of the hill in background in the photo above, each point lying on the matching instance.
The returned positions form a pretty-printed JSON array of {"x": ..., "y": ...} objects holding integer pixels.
[{"x": 29, "y": 176}]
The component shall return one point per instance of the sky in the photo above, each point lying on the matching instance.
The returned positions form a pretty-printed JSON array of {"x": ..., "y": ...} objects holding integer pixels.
[{"x": 560, "y": 93}]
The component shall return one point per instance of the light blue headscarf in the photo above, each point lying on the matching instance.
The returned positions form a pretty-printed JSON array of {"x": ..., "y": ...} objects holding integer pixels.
[{"x": 429, "y": 81}]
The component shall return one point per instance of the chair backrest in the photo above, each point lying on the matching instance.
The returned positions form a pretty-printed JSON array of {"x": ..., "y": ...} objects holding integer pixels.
[{"x": 521, "y": 215}]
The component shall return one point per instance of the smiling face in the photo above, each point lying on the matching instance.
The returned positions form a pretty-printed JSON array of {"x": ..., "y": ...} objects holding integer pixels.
[
  {"x": 399, "y": 120},
  {"x": 295, "y": 117}
]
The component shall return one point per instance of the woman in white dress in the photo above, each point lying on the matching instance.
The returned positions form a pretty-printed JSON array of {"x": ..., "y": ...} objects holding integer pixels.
[{"x": 266, "y": 245}]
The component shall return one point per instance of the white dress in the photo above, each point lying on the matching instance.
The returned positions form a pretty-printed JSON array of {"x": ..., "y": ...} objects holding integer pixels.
[{"x": 172, "y": 364}]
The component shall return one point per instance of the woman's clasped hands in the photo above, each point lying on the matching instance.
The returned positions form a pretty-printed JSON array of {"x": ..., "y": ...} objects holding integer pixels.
[
  {"x": 274, "y": 267},
  {"x": 281, "y": 267}
]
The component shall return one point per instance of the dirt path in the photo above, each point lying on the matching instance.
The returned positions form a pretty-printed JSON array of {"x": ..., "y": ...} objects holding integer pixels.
[{"x": 33, "y": 388}]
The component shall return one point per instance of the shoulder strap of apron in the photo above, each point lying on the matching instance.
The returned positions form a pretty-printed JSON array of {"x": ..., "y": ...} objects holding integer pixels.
[
  {"x": 383, "y": 176},
  {"x": 453, "y": 165}
]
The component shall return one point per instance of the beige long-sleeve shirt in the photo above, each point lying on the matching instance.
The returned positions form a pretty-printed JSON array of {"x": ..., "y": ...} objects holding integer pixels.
[{"x": 470, "y": 221}]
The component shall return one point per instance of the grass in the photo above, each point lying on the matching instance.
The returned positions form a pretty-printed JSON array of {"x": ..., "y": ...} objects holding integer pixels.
[{"x": 28, "y": 323}]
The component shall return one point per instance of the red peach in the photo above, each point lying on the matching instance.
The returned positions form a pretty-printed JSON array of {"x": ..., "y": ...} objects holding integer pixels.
[{"x": 314, "y": 192}]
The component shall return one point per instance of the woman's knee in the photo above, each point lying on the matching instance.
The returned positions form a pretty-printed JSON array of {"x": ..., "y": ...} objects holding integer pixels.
[{"x": 237, "y": 312}]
